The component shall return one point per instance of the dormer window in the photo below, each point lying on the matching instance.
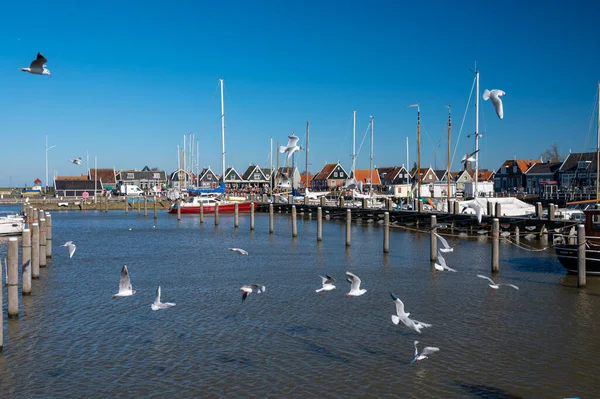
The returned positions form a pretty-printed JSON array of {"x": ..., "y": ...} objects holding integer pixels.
[{"x": 583, "y": 164}]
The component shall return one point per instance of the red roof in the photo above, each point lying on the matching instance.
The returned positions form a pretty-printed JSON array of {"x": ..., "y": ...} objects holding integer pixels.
[
  {"x": 326, "y": 171},
  {"x": 364, "y": 175}
]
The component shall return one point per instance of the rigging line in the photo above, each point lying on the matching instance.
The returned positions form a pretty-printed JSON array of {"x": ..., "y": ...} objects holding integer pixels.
[
  {"x": 463, "y": 122},
  {"x": 592, "y": 113},
  {"x": 348, "y": 131},
  {"x": 363, "y": 140}
]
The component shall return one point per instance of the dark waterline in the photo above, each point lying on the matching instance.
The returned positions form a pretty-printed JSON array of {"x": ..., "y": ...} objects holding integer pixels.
[{"x": 72, "y": 340}]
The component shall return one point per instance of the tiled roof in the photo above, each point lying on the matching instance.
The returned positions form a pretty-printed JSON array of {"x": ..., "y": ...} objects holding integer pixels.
[
  {"x": 389, "y": 172},
  {"x": 544, "y": 168},
  {"x": 77, "y": 185},
  {"x": 71, "y": 178},
  {"x": 522, "y": 164},
  {"x": 364, "y": 175},
  {"x": 573, "y": 159},
  {"x": 303, "y": 178},
  {"x": 249, "y": 173},
  {"x": 484, "y": 175},
  {"x": 107, "y": 175},
  {"x": 326, "y": 171}
]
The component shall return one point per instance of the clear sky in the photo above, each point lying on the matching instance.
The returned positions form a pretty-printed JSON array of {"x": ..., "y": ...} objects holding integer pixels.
[{"x": 130, "y": 78}]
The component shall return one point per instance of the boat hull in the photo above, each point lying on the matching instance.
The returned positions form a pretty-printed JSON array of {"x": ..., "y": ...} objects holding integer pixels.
[
  {"x": 567, "y": 256},
  {"x": 11, "y": 226},
  {"x": 223, "y": 208}
]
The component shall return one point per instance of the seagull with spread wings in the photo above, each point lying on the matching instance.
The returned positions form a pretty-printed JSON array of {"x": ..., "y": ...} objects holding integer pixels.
[{"x": 38, "y": 66}]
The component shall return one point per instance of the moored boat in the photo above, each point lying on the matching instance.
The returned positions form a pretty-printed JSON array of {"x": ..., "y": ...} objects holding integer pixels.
[
  {"x": 209, "y": 204},
  {"x": 566, "y": 251},
  {"x": 11, "y": 225}
]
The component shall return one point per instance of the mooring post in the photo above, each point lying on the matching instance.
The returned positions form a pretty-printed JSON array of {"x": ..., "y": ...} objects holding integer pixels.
[
  {"x": 264, "y": 199},
  {"x": 433, "y": 239},
  {"x": 139, "y": 205},
  {"x": 35, "y": 251},
  {"x": 456, "y": 207},
  {"x": 48, "y": 235},
  {"x": 365, "y": 203},
  {"x": 290, "y": 199},
  {"x": 145, "y": 206},
  {"x": 550, "y": 212},
  {"x": 126, "y": 202},
  {"x": 538, "y": 210},
  {"x": 386, "y": 232},
  {"x": 342, "y": 202},
  {"x": 13, "y": 277},
  {"x": 306, "y": 200},
  {"x": 498, "y": 209},
  {"x": 271, "y": 216},
  {"x": 26, "y": 261},
  {"x": 294, "y": 222},
  {"x": 154, "y": 206},
  {"x": 178, "y": 210},
  {"x": 42, "y": 242},
  {"x": 201, "y": 212},
  {"x": 319, "y": 224},
  {"x": 495, "y": 245},
  {"x": 348, "y": 227},
  {"x": 252, "y": 216},
  {"x": 1, "y": 321},
  {"x": 490, "y": 209},
  {"x": 236, "y": 211},
  {"x": 581, "y": 269},
  {"x": 323, "y": 201},
  {"x": 517, "y": 234},
  {"x": 216, "y": 214}
]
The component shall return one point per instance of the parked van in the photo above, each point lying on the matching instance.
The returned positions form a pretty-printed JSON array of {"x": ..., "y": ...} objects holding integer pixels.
[{"x": 130, "y": 190}]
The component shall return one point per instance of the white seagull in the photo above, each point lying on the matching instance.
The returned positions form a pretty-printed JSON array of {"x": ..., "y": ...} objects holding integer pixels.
[
  {"x": 71, "y": 247},
  {"x": 401, "y": 316},
  {"x": 247, "y": 289},
  {"x": 125, "y": 288},
  {"x": 428, "y": 350},
  {"x": 239, "y": 251},
  {"x": 292, "y": 146},
  {"x": 157, "y": 305},
  {"x": 447, "y": 247},
  {"x": 469, "y": 157},
  {"x": 530, "y": 228},
  {"x": 440, "y": 264},
  {"x": 494, "y": 285},
  {"x": 327, "y": 283},
  {"x": 355, "y": 289},
  {"x": 37, "y": 66},
  {"x": 478, "y": 210},
  {"x": 494, "y": 97},
  {"x": 76, "y": 161}
]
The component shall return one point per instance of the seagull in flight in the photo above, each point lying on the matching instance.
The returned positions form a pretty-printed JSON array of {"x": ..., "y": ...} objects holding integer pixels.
[
  {"x": 248, "y": 289},
  {"x": 327, "y": 283},
  {"x": 428, "y": 350},
  {"x": 157, "y": 305},
  {"x": 447, "y": 247},
  {"x": 440, "y": 264},
  {"x": 478, "y": 210},
  {"x": 38, "y": 66},
  {"x": 71, "y": 247},
  {"x": 239, "y": 251},
  {"x": 469, "y": 157},
  {"x": 76, "y": 161},
  {"x": 494, "y": 97},
  {"x": 355, "y": 289},
  {"x": 292, "y": 146},
  {"x": 401, "y": 316},
  {"x": 125, "y": 288},
  {"x": 494, "y": 285}
]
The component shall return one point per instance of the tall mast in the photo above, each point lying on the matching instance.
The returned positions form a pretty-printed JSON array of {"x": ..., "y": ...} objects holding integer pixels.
[
  {"x": 306, "y": 171},
  {"x": 272, "y": 176},
  {"x": 476, "y": 130},
  {"x": 407, "y": 160},
  {"x": 222, "y": 134},
  {"x": 353, "y": 144},
  {"x": 449, "y": 135},
  {"x": 277, "y": 155},
  {"x": 371, "y": 159},
  {"x": 598, "y": 151}
]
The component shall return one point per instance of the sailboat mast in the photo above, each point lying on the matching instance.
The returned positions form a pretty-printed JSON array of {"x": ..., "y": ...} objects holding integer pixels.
[
  {"x": 598, "y": 150},
  {"x": 222, "y": 134},
  {"x": 418, "y": 151},
  {"x": 184, "y": 170},
  {"x": 476, "y": 131},
  {"x": 448, "y": 170},
  {"x": 306, "y": 171},
  {"x": 353, "y": 143},
  {"x": 272, "y": 176},
  {"x": 371, "y": 158}
]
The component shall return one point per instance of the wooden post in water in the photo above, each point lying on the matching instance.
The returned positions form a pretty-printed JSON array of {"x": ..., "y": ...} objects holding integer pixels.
[
  {"x": 42, "y": 214},
  {"x": 271, "y": 218},
  {"x": 252, "y": 216},
  {"x": 517, "y": 234},
  {"x": 550, "y": 212},
  {"x": 126, "y": 205},
  {"x": 145, "y": 206},
  {"x": 201, "y": 212},
  {"x": 154, "y": 205},
  {"x": 456, "y": 208},
  {"x": 319, "y": 224},
  {"x": 498, "y": 209},
  {"x": 306, "y": 200},
  {"x": 294, "y": 222},
  {"x": 365, "y": 203},
  {"x": 35, "y": 251},
  {"x": 323, "y": 201},
  {"x": 581, "y": 269},
  {"x": 43, "y": 242},
  {"x": 538, "y": 210},
  {"x": 348, "y": 227},
  {"x": 490, "y": 209},
  {"x": 1, "y": 320},
  {"x": 48, "y": 235},
  {"x": 178, "y": 210},
  {"x": 386, "y": 232},
  {"x": 290, "y": 199},
  {"x": 35, "y": 215},
  {"x": 216, "y": 214},
  {"x": 433, "y": 240},
  {"x": 13, "y": 277},
  {"x": 264, "y": 199},
  {"x": 342, "y": 202},
  {"x": 495, "y": 245},
  {"x": 26, "y": 261},
  {"x": 139, "y": 205},
  {"x": 236, "y": 211}
]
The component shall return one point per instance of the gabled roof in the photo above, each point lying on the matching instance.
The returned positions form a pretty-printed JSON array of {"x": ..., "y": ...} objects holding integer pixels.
[
  {"x": 71, "y": 178},
  {"x": 458, "y": 175},
  {"x": 364, "y": 175},
  {"x": 390, "y": 172},
  {"x": 249, "y": 173},
  {"x": 267, "y": 172},
  {"x": 206, "y": 171},
  {"x": 572, "y": 160},
  {"x": 232, "y": 175},
  {"x": 440, "y": 173},
  {"x": 77, "y": 185},
  {"x": 484, "y": 175},
  {"x": 303, "y": 178},
  {"x": 422, "y": 172},
  {"x": 107, "y": 175},
  {"x": 286, "y": 171},
  {"x": 174, "y": 176},
  {"x": 327, "y": 170},
  {"x": 143, "y": 175},
  {"x": 544, "y": 168},
  {"x": 522, "y": 164}
]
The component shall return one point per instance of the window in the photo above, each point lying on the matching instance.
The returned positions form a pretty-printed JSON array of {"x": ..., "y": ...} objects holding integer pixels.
[
  {"x": 208, "y": 177},
  {"x": 515, "y": 169},
  {"x": 130, "y": 175},
  {"x": 335, "y": 174},
  {"x": 156, "y": 176},
  {"x": 257, "y": 176},
  {"x": 583, "y": 164}
]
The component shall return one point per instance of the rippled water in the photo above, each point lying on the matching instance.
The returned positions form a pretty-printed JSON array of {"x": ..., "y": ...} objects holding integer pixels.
[{"x": 72, "y": 340}]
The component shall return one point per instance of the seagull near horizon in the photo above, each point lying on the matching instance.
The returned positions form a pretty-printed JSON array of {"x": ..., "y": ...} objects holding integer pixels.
[
  {"x": 327, "y": 283},
  {"x": 494, "y": 97},
  {"x": 292, "y": 146},
  {"x": 428, "y": 350},
  {"x": 239, "y": 251},
  {"x": 440, "y": 263},
  {"x": 355, "y": 289},
  {"x": 447, "y": 247},
  {"x": 248, "y": 289},
  {"x": 37, "y": 66},
  {"x": 402, "y": 316},
  {"x": 469, "y": 157},
  {"x": 71, "y": 246},
  {"x": 494, "y": 285},
  {"x": 125, "y": 288},
  {"x": 76, "y": 161},
  {"x": 157, "y": 305}
]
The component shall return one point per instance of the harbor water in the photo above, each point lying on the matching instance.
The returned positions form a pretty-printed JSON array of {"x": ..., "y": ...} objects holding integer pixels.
[{"x": 73, "y": 340}]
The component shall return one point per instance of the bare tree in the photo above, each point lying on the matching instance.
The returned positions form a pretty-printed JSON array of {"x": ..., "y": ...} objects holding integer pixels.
[{"x": 552, "y": 154}]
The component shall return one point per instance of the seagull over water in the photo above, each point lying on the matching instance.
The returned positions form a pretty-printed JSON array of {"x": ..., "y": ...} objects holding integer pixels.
[
  {"x": 71, "y": 247},
  {"x": 292, "y": 146},
  {"x": 402, "y": 316},
  {"x": 447, "y": 247},
  {"x": 125, "y": 288},
  {"x": 157, "y": 305},
  {"x": 37, "y": 66},
  {"x": 327, "y": 284},
  {"x": 428, "y": 350},
  {"x": 494, "y": 285},
  {"x": 494, "y": 97},
  {"x": 440, "y": 263},
  {"x": 248, "y": 289},
  {"x": 355, "y": 289},
  {"x": 239, "y": 251},
  {"x": 76, "y": 161}
]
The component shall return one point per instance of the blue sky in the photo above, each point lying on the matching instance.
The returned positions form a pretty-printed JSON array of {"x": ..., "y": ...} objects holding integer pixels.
[{"x": 131, "y": 78}]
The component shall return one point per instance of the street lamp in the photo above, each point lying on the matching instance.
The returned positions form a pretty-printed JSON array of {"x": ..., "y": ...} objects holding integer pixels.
[{"x": 47, "y": 148}]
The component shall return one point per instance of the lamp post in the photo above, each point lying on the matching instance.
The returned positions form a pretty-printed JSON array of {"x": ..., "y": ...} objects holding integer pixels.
[{"x": 47, "y": 148}]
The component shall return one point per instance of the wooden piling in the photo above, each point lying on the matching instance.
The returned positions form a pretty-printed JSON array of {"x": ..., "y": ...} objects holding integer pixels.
[
  {"x": 342, "y": 202},
  {"x": 42, "y": 214},
  {"x": 48, "y": 235},
  {"x": 26, "y": 261},
  {"x": 433, "y": 239},
  {"x": 35, "y": 251},
  {"x": 538, "y": 210},
  {"x": 290, "y": 199},
  {"x": 323, "y": 201},
  {"x": 271, "y": 219},
  {"x": 154, "y": 205},
  {"x": 495, "y": 245},
  {"x": 35, "y": 216},
  {"x": 1, "y": 321},
  {"x": 126, "y": 205},
  {"x": 581, "y": 269},
  {"x": 13, "y": 277},
  {"x": 498, "y": 210},
  {"x": 216, "y": 214},
  {"x": 517, "y": 234},
  {"x": 145, "y": 207},
  {"x": 178, "y": 210},
  {"x": 294, "y": 222},
  {"x": 264, "y": 199},
  {"x": 365, "y": 203},
  {"x": 252, "y": 216},
  {"x": 456, "y": 207},
  {"x": 306, "y": 200},
  {"x": 550, "y": 212},
  {"x": 236, "y": 215},
  {"x": 319, "y": 224},
  {"x": 386, "y": 232},
  {"x": 348, "y": 227},
  {"x": 139, "y": 205},
  {"x": 201, "y": 212},
  {"x": 490, "y": 209},
  {"x": 43, "y": 242}
]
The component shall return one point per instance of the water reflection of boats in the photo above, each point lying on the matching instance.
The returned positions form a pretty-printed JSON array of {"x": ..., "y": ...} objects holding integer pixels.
[
  {"x": 566, "y": 248},
  {"x": 11, "y": 225},
  {"x": 192, "y": 205}
]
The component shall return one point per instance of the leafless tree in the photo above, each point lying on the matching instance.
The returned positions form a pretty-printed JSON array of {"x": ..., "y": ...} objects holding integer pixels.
[{"x": 551, "y": 154}]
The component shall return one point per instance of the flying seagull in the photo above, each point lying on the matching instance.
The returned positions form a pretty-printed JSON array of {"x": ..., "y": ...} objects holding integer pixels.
[
  {"x": 76, "y": 161},
  {"x": 447, "y": 247},
  {"x": 327, "y": 283},
  {"x": 157, "y": 305},
  {"x": 478, "y": 210},
  {"x": 440, "y": 264},
  {"x": 71, "y": 247},
  {"x": 355, "y": 289},
  {"x": 239, "y": 251},
  {"x": 247, "y": 289},
  {"x": 37, "y": 66},
  {"x": 292, "y": 146},
  {"x": 401, "y": 316},
  {"x": 428, "y": 350},
  {"x": 494, "y": 97},
  {"x": 125, "y": 288},
  {"x": 469, "y": 157},
  {"x": 494, "y": 285}
]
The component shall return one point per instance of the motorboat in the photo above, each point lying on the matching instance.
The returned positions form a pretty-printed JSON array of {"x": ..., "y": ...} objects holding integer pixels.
[
  {"x": 11, "y": 224},
  {"x": 209, "y": 205}
]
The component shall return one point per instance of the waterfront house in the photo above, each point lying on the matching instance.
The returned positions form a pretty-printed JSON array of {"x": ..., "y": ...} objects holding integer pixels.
[
  {"x": 108, "y": 176},
  {"x": 542, "y": 178},
  {"x": 578, "y": 173},
  {"x": 460, "y": 179},
  {"x": 286, "y": 177},
  {"x": 76, "y": 186},
  {"x": 332, "y": 176},
  {"x": 428, "y": 178},
  {"x": 255, "y": 179},
  {"x": 364, "y": 176},
  {"x": 233, "y": 180},
  {"x": 207, "y": 179},
  {"x": 395, "y": 180},
  {"x": 181, "y": 179},
  {"x": 303, "y": 182},
  {"x": 146, "y": 179},
  {"x": 511, "y": 175}
]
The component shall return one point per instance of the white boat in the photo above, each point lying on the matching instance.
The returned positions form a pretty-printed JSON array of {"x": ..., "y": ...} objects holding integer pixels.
[
  {"x": 11, "y": 225},
  {"x": 508, "y": 206}
]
